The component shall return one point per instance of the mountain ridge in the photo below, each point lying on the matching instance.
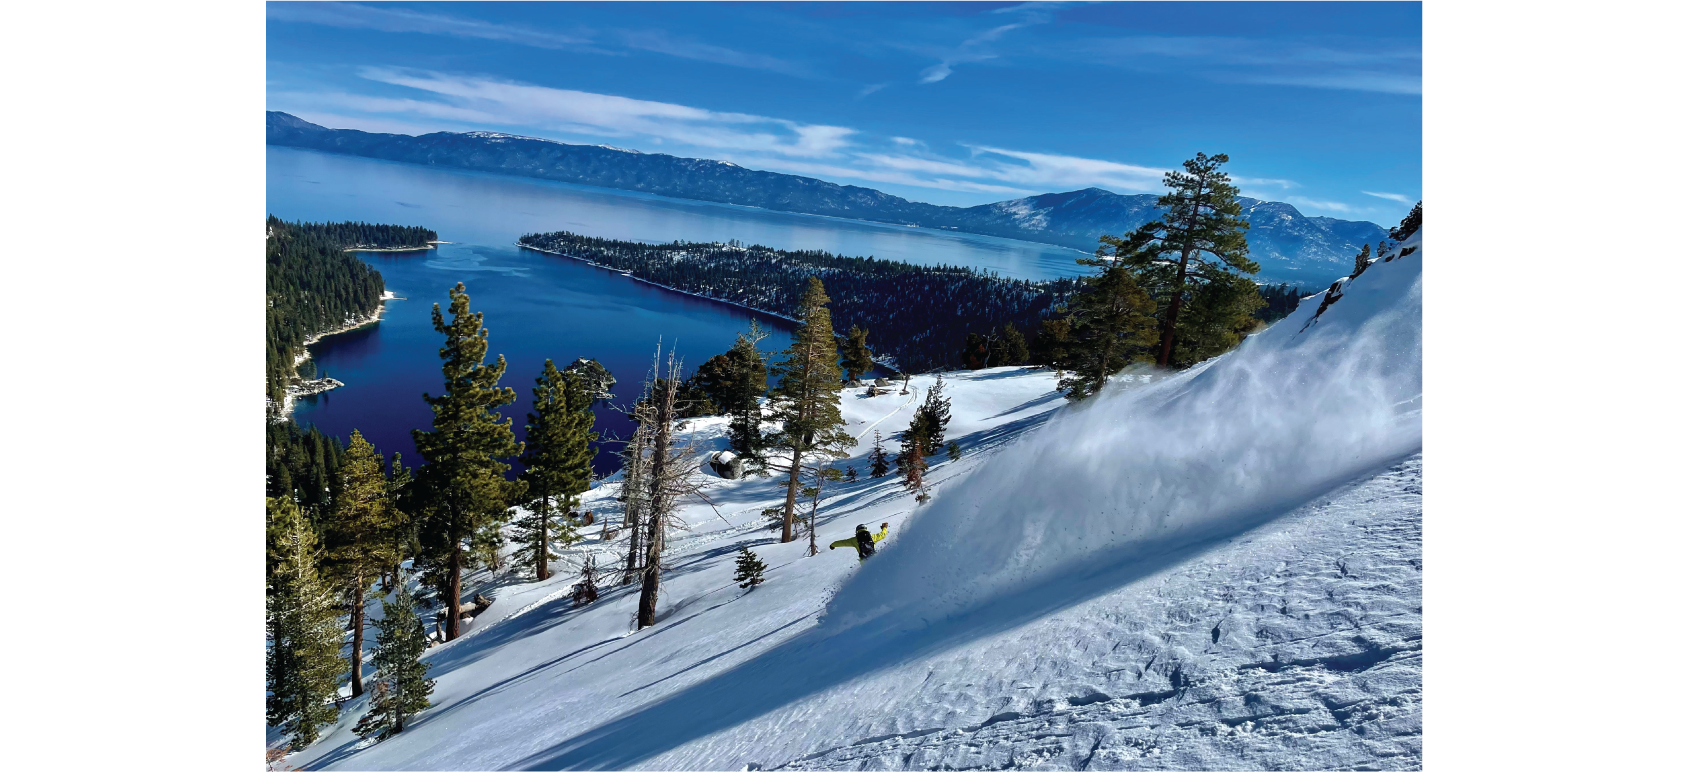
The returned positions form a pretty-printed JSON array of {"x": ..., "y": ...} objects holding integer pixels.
[{"x": 1289, "y": 246}]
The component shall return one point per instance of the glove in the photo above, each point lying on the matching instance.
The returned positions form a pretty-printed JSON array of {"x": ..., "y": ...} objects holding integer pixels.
[{"x": 830, "y": 548}]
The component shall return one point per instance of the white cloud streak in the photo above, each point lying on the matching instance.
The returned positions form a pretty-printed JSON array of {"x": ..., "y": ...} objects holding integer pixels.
[
  {"x": 1396, "y": 197},
  {"x": 486, "y": 100},
  {"x": 385, "y": 19},
  {"x": 451, "y": 101},
  {"x": 1377, "y": 67}
]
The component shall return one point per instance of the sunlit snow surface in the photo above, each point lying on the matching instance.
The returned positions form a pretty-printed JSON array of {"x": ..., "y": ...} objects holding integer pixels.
[{"x": 1215, "y": 570}]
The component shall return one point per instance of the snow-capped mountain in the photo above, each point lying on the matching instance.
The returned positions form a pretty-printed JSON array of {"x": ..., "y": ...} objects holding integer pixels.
[
  {"x": 1218, "y": 568},
  {"x": 1310, "y": 251}
]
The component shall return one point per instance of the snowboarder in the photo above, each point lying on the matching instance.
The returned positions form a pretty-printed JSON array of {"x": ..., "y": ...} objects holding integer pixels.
[{"x": 863, "y": 540}]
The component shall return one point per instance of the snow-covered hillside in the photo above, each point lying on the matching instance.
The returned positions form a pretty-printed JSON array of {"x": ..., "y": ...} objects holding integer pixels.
[{"x": 1218, "y": 569}]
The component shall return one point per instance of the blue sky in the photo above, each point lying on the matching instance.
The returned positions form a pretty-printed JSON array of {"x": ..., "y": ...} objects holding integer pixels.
[{"x": 1318, "y": 104}]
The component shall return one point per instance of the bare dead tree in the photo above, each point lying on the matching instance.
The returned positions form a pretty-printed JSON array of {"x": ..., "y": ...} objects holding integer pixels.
[{"x": 672, "y": 474}]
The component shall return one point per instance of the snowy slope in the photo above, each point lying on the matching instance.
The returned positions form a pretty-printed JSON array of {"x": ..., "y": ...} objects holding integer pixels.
[{"x": 1219, "y": 569}]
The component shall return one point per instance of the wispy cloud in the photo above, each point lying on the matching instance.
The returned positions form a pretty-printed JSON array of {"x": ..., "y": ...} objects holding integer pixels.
[
  {"x": 1373, "y": 66},
  {"x": 508, "y": 103},
  {"x": 870, "y": 89},
  {"x": 386, "y": 19},
  {"x": 433, "y": 101},
  {"x": 1047, "y": 169},
  {"x": 1328, "y": 206},
  {"x": 1039, "y": 8},
  {"x": 658, "y": 41},
  {"x": 1375, "y": 82},
  {"x": 1396, "y": 197}
]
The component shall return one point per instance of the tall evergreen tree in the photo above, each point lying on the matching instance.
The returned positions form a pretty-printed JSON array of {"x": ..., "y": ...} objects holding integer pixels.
[
  {"x": 735, "y": 382},
  {"x": 462, "y": 478},
  {"x": 806, "y": 401},
  {"x": 1220, "y": 314},
  {"x": 1009, "y": 347},
  {"x": 912, "y": 463},
  {"x": 558, "y": 458},
  {"x": 976, "y": 352},
  {"x": 360, "y": 538},
  {"x": 401, "y": 677},
  {"x": 857, "y": 358},
  {"x": 303, "y": 665},
  {"x": 402, "y": 538},
  {"x": 1113, "y": 324},
  {"x": 879, "y": 464},
  {"x": 932, "y": 418},
  {"x": 1200, "y": 238},
  {"x": 1409, "y": 224},
  {"x": 1052, "y": 346}
]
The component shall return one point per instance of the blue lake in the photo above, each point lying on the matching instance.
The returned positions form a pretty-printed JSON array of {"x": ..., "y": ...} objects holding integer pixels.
[{"x": 537, "y": 306}]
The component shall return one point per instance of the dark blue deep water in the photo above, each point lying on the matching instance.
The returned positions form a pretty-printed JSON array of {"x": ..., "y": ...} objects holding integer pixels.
[{"x": 538, "y": 306}]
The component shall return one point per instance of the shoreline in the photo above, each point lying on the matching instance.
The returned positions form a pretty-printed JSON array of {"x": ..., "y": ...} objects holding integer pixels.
[
  {"x": 430, "y": 245},
  {"x": 629, "y": 275},
  {"x": 313, "y": 387}
]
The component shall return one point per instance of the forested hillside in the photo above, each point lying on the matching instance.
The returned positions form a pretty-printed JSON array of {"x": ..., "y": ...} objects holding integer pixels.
[
  {"x": 917, "y": 314},
  {"x": 313, "y": 285}
]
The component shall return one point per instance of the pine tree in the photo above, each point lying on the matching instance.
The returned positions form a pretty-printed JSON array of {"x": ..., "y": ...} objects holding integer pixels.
[
  {"x": 558, "y": 457},
  {"x": 857, "y": 358},
  {"x": 1409, "y": 224},
  {"x": 953, "y": 450},
  {"x": 402, "y": 541},
  {"x": 303, "y": 665},
  {"x": 1009, "y": 347},
  {"x": 1052, "y": 345},
  {"x": 806, "y": 401},
  {"x": 585, "y": 590},
  {"x": 462, "y": 479},
  {"x": 1362, "y": 260},
  {"x": 735, "y": 382},
  {"x": 1220, "y": 314},
  {"x": 879, "y": 464},
  {"x": 1201, "y": 236},
  {"x": 402, "y": 685},
  {"x": 912, "y": 463},
  {"x": 359, "y": 538},
  {"x": 850, "y": 474},
  {"x": 932, "y": 418},
  {"x": 749, "y": 569},
  {"x": 976, "y": 352},
  {"x": 1113, "y": 324}
]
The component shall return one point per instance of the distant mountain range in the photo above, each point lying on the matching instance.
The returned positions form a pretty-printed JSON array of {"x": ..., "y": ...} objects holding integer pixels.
[{"x": 1289, "y": 246}]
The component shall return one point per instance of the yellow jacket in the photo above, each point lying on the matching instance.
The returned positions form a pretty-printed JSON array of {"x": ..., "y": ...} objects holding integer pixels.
[{"x": 851, "y": 540}]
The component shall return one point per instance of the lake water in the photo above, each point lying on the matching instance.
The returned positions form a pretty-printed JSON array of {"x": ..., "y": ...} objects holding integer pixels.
[{"x": 537, "y": 306}]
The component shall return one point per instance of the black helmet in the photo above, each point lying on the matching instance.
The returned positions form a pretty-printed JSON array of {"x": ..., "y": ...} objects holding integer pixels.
[{"x": 861, "y": 526}]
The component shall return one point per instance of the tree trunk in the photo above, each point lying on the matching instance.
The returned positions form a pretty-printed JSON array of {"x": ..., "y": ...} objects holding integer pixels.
[
  {"x": 657, "y": 503},
  {"x": 453, "y": 602},
  {"x": 1170, "y": 328},
  {"x": 357, "y": 638},
  {"x": 544, "y": 537},
  {"x": 791, "y": 493}
]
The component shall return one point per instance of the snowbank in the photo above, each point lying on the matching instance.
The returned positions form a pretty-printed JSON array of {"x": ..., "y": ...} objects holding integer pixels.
[{"x": 1297, "y": 410}]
